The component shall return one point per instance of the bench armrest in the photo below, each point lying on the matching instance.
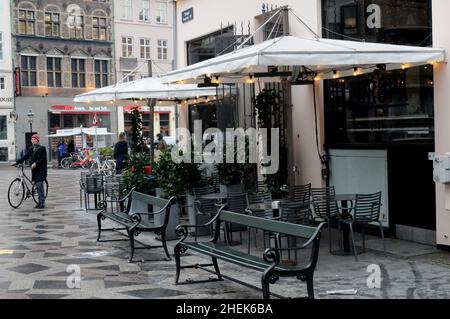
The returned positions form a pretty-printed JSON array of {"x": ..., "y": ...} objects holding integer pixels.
[
  {"x": 159, "y": 212},
  {"x": 308, "y": 243},
  {"x": 182, "y": 230},
  {"x": 103, "y": 204}
]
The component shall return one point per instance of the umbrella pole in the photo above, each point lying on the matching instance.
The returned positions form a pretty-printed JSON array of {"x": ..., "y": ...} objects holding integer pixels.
[{"x": 151, "y": 104}]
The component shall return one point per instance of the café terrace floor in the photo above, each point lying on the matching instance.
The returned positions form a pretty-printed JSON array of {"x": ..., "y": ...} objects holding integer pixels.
[{"x": 40, "y": 248}]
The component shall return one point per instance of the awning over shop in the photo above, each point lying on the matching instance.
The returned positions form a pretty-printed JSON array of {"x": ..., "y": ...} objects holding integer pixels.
[
  {"x": 76, "y": 109},
  {"x": 325, "y": 58},
  {"x": 147, "y": 88},
  {"x": 78, "y": 131}
]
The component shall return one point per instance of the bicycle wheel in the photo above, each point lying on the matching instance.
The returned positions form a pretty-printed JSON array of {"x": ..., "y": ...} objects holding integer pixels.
[
  {"x": 66, "y": 162},
  {"x": 34, "y": 193},
  {"x": 111, "y": 165},
  {"x": 16, "y": 193}
]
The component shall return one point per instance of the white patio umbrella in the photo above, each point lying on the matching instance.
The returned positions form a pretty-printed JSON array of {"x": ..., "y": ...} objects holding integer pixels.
[
  {"x": 147, "y": 88},
  {"x": 326, "y": 58}
]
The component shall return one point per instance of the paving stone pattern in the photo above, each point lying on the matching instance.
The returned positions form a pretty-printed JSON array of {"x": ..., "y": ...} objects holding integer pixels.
[{"x": 41, "y": 249}]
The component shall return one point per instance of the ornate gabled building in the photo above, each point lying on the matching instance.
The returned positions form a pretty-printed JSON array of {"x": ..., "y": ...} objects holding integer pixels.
[{"x": 61, "y": 49}]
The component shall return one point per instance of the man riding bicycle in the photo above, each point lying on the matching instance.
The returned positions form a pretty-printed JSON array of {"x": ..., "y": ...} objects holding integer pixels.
[{"x": 38, "y": 155}]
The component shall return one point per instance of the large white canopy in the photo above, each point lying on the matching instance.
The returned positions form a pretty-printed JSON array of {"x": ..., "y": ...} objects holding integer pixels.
[
  {"x": 78, "y": 131},
  {"x": 147, "y": 88},
  {"x": 325, "y": 57}
]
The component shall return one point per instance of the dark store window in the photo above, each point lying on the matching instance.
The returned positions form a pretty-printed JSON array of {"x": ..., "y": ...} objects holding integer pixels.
[{"x": 384, "y": 107}]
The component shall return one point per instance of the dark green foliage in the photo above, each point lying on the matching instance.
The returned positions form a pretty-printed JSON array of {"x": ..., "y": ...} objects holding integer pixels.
[
  {"x": 271, "y": 110},
  {"x": 236, "y": 173},
  {"x": 134, "y": 175},
  {"x": 137, "y": 139}
]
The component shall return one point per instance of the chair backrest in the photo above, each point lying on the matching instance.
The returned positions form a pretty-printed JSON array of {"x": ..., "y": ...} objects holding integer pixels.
[
  {"x": 324, "y": 202},
  {"x": 237, "y": 202},
  {"x": 94, "y": 184},
  {"x": 261, "y": 187},
  {"x": 206, "y": 206},
  {"x": 113, "y": 190},
  {"x": 200, "y": 191},
  {"x": 367, "y": 208},
  {"x": 300, "y": 193},
  {"x": 257, "y": 198},
  {"x": 296, "y": 213}
]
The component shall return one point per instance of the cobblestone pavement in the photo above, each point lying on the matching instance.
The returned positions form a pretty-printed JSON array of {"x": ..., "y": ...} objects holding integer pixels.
[{"x": 40, "y": 250}]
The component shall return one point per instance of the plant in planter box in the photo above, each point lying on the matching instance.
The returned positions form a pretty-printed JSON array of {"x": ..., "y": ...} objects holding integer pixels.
[
  {"x": 170, "y": 176},
  {"x": 236, "y": 173},
  {"x": 135, "y": 175}
]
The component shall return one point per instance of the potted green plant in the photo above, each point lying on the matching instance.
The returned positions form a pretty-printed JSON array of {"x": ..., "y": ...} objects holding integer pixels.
[
  {"x": 172, "y": 178},
  {"x": 234, "y": 176}
]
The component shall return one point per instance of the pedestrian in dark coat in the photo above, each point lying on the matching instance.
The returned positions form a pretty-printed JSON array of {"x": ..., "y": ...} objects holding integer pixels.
[
  {"x": 38, "y": 156},
  {"x": 121, "y": 153}
]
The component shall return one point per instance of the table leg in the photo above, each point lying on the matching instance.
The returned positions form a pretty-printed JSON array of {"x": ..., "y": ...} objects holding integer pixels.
[{"x": 345, "y": 228}]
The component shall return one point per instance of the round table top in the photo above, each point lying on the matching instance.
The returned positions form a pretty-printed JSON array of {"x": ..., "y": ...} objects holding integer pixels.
[
  {"x": 216, "y": 196},
  {"x": 260, "y": 206}
]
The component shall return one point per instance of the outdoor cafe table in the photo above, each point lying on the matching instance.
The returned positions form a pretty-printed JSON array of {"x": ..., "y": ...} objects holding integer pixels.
[
  {"x": 215, "y": 196},
  {"x": 345, "y": 213}
]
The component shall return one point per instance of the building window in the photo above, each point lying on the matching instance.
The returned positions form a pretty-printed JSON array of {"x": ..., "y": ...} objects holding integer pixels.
[
  {"x": 76, "y": 26},
  {"x": 127, "y": 78},
  {"x": 52, "y": 23},
  {"x": 3, "y": 128},
  {"x": 99, "y": 28},
  {"x": 26, "y": 22},
  {"x": 145, "y": 49},
  {"x": 161, "y": 15},
  {"x": 164, "y": 123},
  {"x": 2, "y": 83},
  {"x": 78, "y": 73},
  {"x": 1, "y": 45},
  {"x": 54, "y": 72},
  {"x": 144, "y": 11},
  {"x": 162, "y": 49},
  {"x": 29, "y": 74},
  {"x": 384, "y": 107},
  {"x": 101, "y": 73},
  {"x": 126, "y": 9},
  {"x": 127, "y": 47}
]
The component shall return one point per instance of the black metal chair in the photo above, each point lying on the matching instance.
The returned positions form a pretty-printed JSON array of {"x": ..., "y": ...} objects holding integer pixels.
[
  {"x": 258, "y": 198},
  {"x": 94, "y": 186},
  {"x": 205, "y": 210},
  {"x": 326, "y": 208},
  {"x": 366, "y": 211},
  {"x": 261, "y": 187},
  {"x": 236, "y": 203},
  {"x": 205, "y": 190},
  {"x": 295, "y": 213},
  {"x": 300, "y": 193}
]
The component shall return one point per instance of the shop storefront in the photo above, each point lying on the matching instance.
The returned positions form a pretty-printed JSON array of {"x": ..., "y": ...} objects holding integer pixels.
[
  {"x": 380, "y": 127},
  {"x": 70, "y": 116}
]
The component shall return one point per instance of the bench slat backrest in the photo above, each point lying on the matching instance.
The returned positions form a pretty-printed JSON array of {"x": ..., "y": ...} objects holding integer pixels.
[
  {"x": 270, "y": 225},
  {"x": 156, "y": 201}
]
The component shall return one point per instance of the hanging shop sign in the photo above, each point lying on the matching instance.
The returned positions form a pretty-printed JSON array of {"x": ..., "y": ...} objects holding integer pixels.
[{"x": 18, "y": 86}]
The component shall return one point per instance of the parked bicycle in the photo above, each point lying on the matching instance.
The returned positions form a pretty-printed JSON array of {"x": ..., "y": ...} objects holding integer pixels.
[
  {"x": 23, "y": 188},
  {"x": 77, "y": 160},
  {"x": 103, "y": 166}
]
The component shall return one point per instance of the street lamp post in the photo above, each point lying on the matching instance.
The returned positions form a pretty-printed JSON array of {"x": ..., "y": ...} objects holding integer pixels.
[{"x": 30, "y": 120}]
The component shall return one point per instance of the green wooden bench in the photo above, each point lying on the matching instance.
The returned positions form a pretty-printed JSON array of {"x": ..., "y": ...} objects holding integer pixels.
[
  {"x": 135, "y": 222},
  {"x": 269, "y": 264}
]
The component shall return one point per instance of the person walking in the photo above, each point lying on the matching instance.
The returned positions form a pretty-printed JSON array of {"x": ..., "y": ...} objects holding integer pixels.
[
  {"x": 38, "y": 156},
  {"x": 61, "y": 152},
  {"x": 121, "y": 153},
  {"x": 162, "y": 145}
]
